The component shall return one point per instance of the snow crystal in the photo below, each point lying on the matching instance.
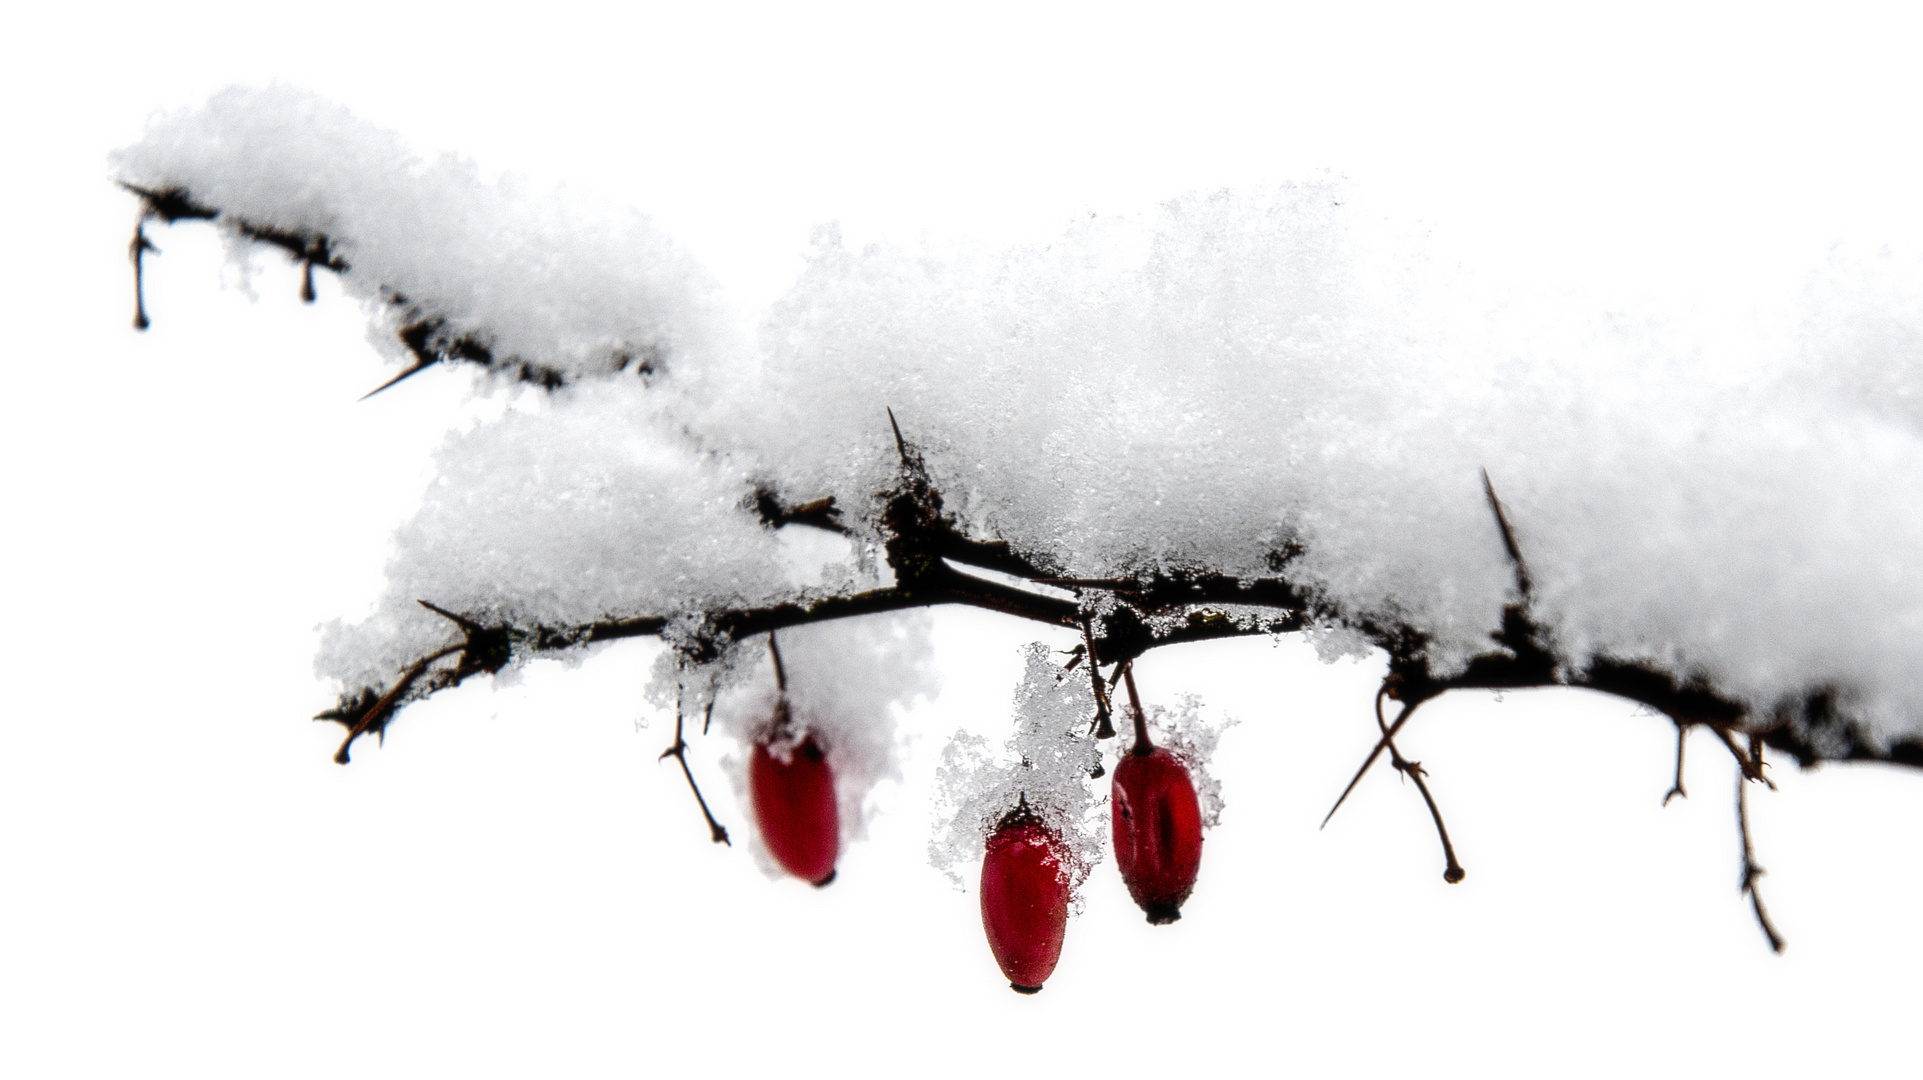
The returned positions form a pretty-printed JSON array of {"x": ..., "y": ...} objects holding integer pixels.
[
  {"x": 1191, "y": 735},
  {"x": 1045, "y": 764}
]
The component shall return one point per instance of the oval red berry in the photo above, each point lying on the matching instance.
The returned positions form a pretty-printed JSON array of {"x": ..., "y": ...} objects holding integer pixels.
[
  {"x": 1025, "y": 902},
  {"x": 1158, "y": 832},
  {"x": 794, "y": 805}
]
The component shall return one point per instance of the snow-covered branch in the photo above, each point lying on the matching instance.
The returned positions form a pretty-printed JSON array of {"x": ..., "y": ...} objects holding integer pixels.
[{"x": 1251, "y": 413}]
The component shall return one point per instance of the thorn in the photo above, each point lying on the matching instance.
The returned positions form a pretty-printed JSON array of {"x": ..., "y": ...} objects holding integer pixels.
[
  {"x": 307, "y": 281},
  {"x": 1508, "y": 536},
  {"x": 419, "y": 366},
  {"x": 1381, "y": 745},
  {"x": 461, "y": 621}
]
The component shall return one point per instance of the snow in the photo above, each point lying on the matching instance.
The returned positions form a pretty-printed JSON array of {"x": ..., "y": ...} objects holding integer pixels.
[
  {"x": 1705, "y": 477},
  {"x": 543, "y": 277},
  {"x": 1045, "y": 765}
]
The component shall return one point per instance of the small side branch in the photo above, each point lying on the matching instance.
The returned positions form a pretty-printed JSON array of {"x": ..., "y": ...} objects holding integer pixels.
[
  {"x": 1452, "y": 871},
  {"x": 375, "y": 716},
  {"x": 679, "y": 752},
  {"x": 137, "y": 250},
  {"x": 1751, "y": 871},
  {"x": 1142, "y": 743},
  {"x": 1102, "y": 726},
  {"x": 1676, "y": 789}
]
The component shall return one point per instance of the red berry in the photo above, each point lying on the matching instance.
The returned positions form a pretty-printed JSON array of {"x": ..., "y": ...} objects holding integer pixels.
[
  {"x": 795, "y": 810},
  {"x": 1158, "y": 831},
  {"x": 1025, "y": 901}
]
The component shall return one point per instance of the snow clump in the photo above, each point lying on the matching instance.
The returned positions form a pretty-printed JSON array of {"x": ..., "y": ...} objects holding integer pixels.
[{"x": 1045, "y": 764}]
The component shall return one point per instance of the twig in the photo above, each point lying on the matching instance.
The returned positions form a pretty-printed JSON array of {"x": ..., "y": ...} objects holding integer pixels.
[
  {"x": 1751, "y": 763},
  {"x": 1751, "y": 871},
  {"x": 781, "y": 673},
  {"x": 1101, "y": 726},
  {"x": 137, "y": 250},
  {"x": 1452, "y": 871},
  {"x": 1682, "y": 735},
  {"x": 1142, "y": 745},
  {"x": 679, "y": 752},
  {"x": 380, "y": 708}
]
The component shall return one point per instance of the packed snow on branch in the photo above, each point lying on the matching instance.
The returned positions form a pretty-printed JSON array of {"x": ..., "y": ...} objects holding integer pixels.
[{"x": 1290, "y": 382}]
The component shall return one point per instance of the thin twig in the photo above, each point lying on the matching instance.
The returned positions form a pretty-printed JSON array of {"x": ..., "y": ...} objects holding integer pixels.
[
  {"x": 1142, "y": 744},
  {"x": 1751, "y": 871},
  {"x": 781, "y": 673},
  {"x": 1101, "y": 726},
  {"x": 137, "y": 250},
  {"x": 380, "y": 708},
  {"x": 679, "y": 752},
  {"x": 1452, "y": 871},
  {"x": 1682, "y": 735},
  {"x": 1752, "y": 766}
]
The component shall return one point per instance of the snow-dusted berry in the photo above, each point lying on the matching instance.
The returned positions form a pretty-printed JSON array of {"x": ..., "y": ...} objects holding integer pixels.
[
  {"x": 1025, "y": 900},
  {"x": 1158, "y": 823},
  {"x": 1158, "y": 831},
  {"x": 794, "y": 804}
]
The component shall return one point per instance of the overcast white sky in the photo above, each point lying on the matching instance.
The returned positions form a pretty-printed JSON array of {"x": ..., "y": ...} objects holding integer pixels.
[{"x": 512, "y": 886}]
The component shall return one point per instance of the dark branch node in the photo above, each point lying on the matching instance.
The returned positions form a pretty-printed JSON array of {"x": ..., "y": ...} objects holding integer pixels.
[{"x": 819, "y": 513}]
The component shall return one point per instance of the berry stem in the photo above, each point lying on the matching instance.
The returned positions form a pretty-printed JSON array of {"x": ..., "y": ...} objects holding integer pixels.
[
  {"x": 781, "y": 673},
  {"x": 1142, "y": 744}
]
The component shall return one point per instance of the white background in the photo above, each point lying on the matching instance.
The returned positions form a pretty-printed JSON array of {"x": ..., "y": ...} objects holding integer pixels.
[{"x": 513, "y": 886}]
